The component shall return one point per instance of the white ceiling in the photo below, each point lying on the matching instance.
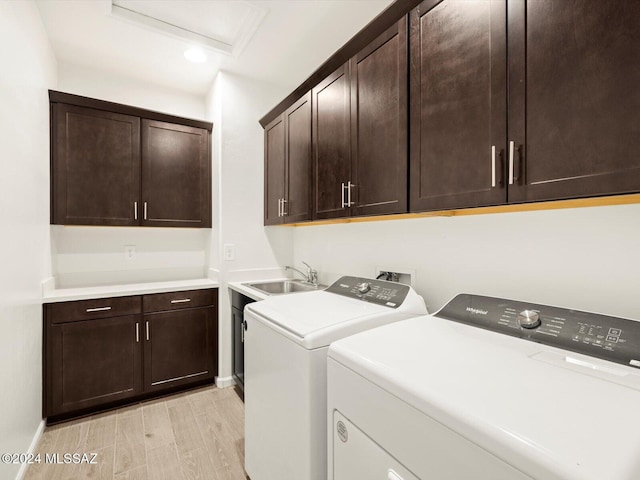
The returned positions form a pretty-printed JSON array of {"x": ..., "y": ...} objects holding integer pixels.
[{"x": 292, "y": 38}]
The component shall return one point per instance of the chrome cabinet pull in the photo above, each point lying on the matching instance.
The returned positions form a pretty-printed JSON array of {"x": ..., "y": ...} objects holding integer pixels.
[
  {"x": 145, "y": 210},
  {"x": 137, "y": 332},
  {"x": 279, "y": 207},
  {"x": 511, "y": 146},
  {"x": 147, "y": 329},
  {"x": 98, "y": 309},
  {"x": 342, "y": 205},
  {"x": 182, "y": 300},
  {"x": 135, "y": 210},
  {"x": 493, "y": 166},
  {"x": 284, "y": 213},
  {"x": 349, "y": 202}
]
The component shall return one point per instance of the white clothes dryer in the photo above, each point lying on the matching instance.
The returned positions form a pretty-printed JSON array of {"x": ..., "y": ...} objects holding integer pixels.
[{"x": 487, "y": 389}]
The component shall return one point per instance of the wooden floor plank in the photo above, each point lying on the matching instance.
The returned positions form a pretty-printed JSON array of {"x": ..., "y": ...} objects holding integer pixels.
[
  {"x": 185, "y": 427},
  {"x": 130, "y": 451},
  {"x": 102, "y": 431},
  {"x": 192, "y": 435},
  {"x": 139, "y": 473},
  {"x": 197, "y": 465},
  {"x": 157, "y": 425},
  {"x": 102, "y": 469},
  {"x": 164, "y": 463}
]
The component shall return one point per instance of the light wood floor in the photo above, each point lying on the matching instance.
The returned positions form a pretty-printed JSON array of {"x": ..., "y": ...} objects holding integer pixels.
[{"x": 192, "y": 435}]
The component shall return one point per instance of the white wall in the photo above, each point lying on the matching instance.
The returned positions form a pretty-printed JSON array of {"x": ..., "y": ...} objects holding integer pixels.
[
  {"x": 28, "y": 70},
  {"x": 85, "y": 256},
  {"x": 586, "y": 258},
  {"x": 88, "y": 82},
  {"x": 236, "y": 104}
]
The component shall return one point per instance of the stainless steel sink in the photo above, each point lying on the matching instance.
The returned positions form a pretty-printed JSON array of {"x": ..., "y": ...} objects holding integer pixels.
[{"x": 281, "y": 287}]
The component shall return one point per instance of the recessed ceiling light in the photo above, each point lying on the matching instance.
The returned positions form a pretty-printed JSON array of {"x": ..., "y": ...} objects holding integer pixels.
[{"x": 195, "y": 55}]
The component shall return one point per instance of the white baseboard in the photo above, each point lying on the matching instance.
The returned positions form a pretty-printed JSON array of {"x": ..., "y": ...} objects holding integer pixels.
[
  {"x": 32, "y": 448},
  {"x": 224, "y": 382}
]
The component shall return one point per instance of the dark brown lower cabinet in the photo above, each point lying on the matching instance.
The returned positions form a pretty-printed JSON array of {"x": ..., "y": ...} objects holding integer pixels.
[
  {"x": 93, "y": 362},
  {"x": 179, "y": 347},
  {"x": 103, "y": 353}
]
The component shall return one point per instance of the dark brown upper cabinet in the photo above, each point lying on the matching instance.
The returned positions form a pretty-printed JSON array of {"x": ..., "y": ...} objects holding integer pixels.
[
  {"x": 274, "y": 171},
  {"x": 175, "y": 175},
  {"x": 574, "y": 102},
  {"x": 570, "y": 128},
  {"x": 360, "y": 131},
  {"x": 379, "y": 124},
  {"x": 95, "y": 166},
  {"x": 112, "y": 164},
  {"x": 287, "y": 196},
  {"x": 331, "y": 123},
  {"x": 458, "y": 104}
]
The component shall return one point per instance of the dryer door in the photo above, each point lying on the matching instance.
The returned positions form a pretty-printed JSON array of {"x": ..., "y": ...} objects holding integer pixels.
[{"x": 357, "y": 456}]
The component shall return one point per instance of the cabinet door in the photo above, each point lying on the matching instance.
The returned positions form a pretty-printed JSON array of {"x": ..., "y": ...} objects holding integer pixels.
[
  {"x": 458, "y": 104},
  {"x": 379, "y": 124},
  {"x": 298, "y": 199},
  {"x": 95, "y": 167},
  {"x": 574, "y": 102},
  {"x": 93, "y": 362},
  {"x": 274, "y": 171},
  {"x": 238, "y": 346},
  {"x": 331, "y": 144},
  {"x": 179, "y": 347},
  {"x": 176, "y": 175}
]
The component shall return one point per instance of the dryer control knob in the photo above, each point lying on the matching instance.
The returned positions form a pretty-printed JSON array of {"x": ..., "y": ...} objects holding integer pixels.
[
  {"x": 363, "y": 287},
  {"x": 529, "y": 319}
]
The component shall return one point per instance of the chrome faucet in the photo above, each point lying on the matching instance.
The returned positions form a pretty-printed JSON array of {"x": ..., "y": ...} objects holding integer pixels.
[{"x": 310, "y": 277}]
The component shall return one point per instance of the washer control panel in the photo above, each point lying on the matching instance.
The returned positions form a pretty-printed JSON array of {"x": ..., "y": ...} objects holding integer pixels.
[
  {"x": 609, "y": 338},
  {"x": 389, "y": 294}
]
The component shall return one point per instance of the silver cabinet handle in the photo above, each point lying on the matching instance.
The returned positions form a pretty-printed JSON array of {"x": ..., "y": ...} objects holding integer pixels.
[
  {"x": 279, "y": 207},
  {"x": 135, "y": 210},
  {"x": 147, "y": 328},
  {"x": 145, "y": 210},
  {"x": 342, "y": 205},
  {"x": 349, "y": 202},
  {"x": 493, "y": 166},
  {"x": 284, "y": 213},
  {"x": 98, "y": 309},
  {"x": 137, "y": 332},
  {"x": 182, "y": 300},
  {"x": 511, "y": 147}
]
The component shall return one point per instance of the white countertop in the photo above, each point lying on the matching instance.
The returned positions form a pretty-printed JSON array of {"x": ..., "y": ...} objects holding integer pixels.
[{"x": 85, "y": 293}]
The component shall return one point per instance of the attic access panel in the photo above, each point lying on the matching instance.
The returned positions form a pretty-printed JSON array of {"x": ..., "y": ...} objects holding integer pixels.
[{"x": 225, "y": 26}]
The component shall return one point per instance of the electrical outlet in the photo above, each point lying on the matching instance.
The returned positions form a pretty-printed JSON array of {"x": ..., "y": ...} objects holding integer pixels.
[
  {"x": 229, "y": 252},
  {"x": 129, "y": 252}
]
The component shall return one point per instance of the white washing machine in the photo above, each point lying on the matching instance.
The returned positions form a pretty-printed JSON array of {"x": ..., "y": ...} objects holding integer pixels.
[
  {"x": 286, "y": 342},
  {"x": 487, "y": 389}
]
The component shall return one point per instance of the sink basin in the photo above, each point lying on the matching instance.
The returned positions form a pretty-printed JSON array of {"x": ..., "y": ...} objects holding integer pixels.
[{"x": 281, "y": 287}]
